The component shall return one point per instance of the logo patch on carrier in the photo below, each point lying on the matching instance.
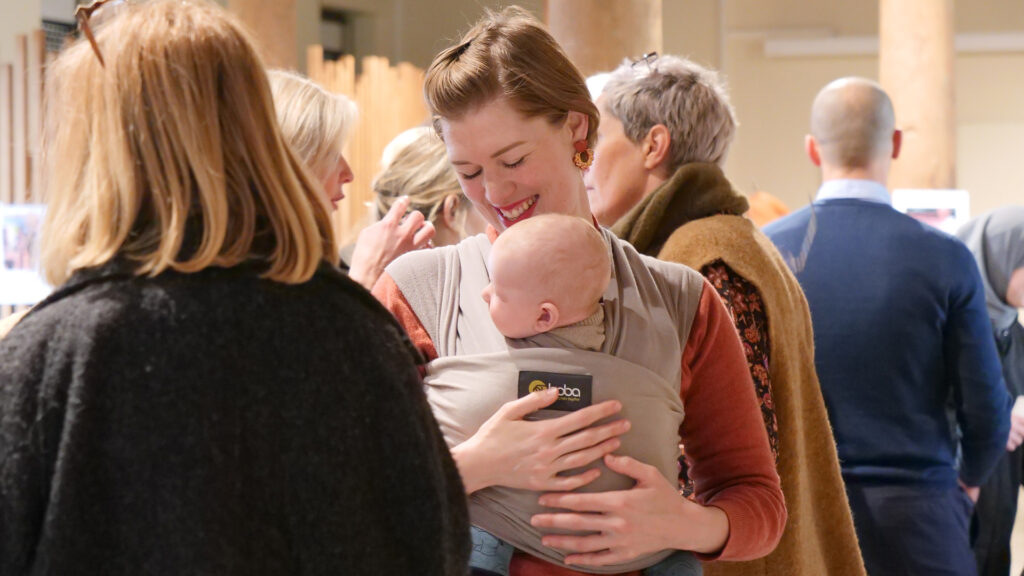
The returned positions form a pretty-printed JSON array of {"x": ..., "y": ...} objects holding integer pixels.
[{"x": 575, "y": 391}]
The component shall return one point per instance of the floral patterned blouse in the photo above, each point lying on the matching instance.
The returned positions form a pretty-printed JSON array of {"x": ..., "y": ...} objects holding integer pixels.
[{"x": 745, "y": 306}]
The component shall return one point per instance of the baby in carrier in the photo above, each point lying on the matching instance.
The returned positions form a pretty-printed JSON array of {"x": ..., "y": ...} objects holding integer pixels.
[{"x": 548, "y": 275}]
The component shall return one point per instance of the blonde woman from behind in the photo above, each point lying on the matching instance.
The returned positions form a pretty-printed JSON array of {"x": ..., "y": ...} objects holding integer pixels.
[{"x": 197, "y": 394}]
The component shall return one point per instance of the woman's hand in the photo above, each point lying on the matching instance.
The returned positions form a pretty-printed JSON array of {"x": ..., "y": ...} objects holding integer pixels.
[
  {"x": 383, "y": 241},
  {"x": 510, "y": 451},
  {"x": 649, "y": 517}
]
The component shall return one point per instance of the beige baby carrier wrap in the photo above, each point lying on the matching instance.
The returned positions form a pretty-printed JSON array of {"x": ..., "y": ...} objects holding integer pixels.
[{"x": 649, "y": 307}]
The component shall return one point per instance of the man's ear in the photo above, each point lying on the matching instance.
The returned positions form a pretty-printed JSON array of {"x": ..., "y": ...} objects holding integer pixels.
[
  {"x": 656, "y": 146},
  {"x": 811, "y": 148},
  {"x": 897, "y": 143},
  {"x": 547, "y": 319},
  {"x": 578, "y": 124}
]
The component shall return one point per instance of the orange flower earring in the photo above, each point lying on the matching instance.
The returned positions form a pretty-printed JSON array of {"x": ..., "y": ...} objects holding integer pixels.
[{"x": 584, "y": 156}]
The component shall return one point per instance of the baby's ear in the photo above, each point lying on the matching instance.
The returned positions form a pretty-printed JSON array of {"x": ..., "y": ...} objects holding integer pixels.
[{"x": 547, "y": 319}]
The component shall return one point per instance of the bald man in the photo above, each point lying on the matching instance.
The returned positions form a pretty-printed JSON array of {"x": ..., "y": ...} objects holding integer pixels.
[{"x": 901, "y": 332}]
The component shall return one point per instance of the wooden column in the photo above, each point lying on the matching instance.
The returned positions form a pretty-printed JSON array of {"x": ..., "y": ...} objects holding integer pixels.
[
  {"x": 598, "y": 34},
  {"x": 19, "y": 120},
  {"x": 916, "y": 69},
  {"x": 36, "y": 54},
  {"x": 6, "y": 134},
  {"x": 273, "y": 24}
]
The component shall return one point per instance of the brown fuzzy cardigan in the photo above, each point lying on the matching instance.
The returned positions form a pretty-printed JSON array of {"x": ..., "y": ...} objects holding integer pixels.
[{"x": 694, "y": 219}]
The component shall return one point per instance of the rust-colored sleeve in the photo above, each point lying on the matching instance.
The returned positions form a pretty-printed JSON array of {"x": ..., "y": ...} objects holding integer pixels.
[
  {"x": 724, "y": 437},
  {"x": 387, "y": 292}
]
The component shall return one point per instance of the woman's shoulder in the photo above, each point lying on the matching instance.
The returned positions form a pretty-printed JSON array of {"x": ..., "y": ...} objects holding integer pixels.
[
  {"x": 669, "y": 286},
  {"x": 116, "y": 296},
  {"x": 423, "y": 275},
  {"x": 711, "y": 235},
  {"x": 734, "y": 240},
  {"x": 659, "y": 270}
]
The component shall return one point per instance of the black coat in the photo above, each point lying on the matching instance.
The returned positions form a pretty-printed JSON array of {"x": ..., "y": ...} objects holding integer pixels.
[
  {"x": 996, "y": 510},
  {"x": 1010, "y": 342},
  {"x": 218, "y": 423}
]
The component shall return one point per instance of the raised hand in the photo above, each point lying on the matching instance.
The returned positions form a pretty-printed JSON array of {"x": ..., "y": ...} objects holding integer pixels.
[{"x": 383, "y": 241}]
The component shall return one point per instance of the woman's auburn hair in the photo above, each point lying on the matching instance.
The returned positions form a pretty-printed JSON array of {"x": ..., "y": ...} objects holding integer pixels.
[
  {"x": 510, "y": 55},
  {"x": 170, "y": 157},
  {"x": 315, "y": 123}
]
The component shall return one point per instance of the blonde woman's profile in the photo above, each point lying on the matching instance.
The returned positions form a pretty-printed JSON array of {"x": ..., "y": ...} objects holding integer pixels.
[{"x": 316, "y": 124}]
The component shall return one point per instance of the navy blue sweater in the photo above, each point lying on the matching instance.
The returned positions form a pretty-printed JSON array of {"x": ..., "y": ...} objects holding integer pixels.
[{"x": 901, "y": 333}]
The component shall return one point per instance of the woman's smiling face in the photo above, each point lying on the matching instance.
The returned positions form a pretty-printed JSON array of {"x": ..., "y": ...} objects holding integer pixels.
[{"x": 512, "y": 167}]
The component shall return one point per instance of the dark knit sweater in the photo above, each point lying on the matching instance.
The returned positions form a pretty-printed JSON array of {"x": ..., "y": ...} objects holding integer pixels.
[
  {"x": 900, "y": 328},
  {"x": 219, "y": 423}
]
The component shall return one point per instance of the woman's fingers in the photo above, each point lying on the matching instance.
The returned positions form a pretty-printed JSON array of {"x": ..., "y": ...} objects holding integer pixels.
[
  {"x": 519, "y": 409},
  {"x": 635, "y": 469},
  {"x": 591, "y": 436},
  {"x": 570, "y": 483},
  {"x": 581, "y": 419},
  {"x": 567, "y": 543},
  {"x": 577, "y": 523},
  {"x": 587, "y": 502},
  {"x": 423, "y": 235},
  {"x": 397, "y": 210},
  {"x": 412, "y": 222},
  {"x": 583, "y": 457}
]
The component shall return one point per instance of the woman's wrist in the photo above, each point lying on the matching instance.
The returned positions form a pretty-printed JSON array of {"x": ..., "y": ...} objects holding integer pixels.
[
  {"x": 363, "y": 270},
  {"x": 712, "y": 531},
  {"x": 470, "y": 465}
]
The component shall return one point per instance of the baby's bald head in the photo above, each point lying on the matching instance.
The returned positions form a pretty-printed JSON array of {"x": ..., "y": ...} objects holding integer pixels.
[
  {"x": 547, "y": 271},
  {"x": 852, "y": 122},
  {"x": 563, "y": 257}
]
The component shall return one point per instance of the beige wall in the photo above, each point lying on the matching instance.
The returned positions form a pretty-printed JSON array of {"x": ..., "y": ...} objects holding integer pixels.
[
  {"x": 415, "y": 30},
  {"x": 691, "y": 29},
  {"x": 772, "y": 95},
  {"x": 990, "y": 138},
  {"x": 19, "y": 17},
  {"x": 772, "y": 99}
]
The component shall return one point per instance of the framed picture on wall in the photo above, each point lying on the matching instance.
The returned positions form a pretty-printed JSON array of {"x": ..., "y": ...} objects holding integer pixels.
[
  {"x": 20, "y": 281},
  {"x": 944, "y": 209}
]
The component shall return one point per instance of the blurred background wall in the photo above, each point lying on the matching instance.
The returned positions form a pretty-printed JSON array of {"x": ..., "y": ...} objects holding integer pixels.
[{"x": 775, "y": 55}]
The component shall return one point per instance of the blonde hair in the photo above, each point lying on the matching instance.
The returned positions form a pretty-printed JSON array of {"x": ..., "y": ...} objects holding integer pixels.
[
  {"x": 419, "y": 170},
  {"x": 315, "y": 122},
  {"x": 688, "y": 99},
  {"x": 508, "y": 55},
  {"x": 169, "y": 156}
]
